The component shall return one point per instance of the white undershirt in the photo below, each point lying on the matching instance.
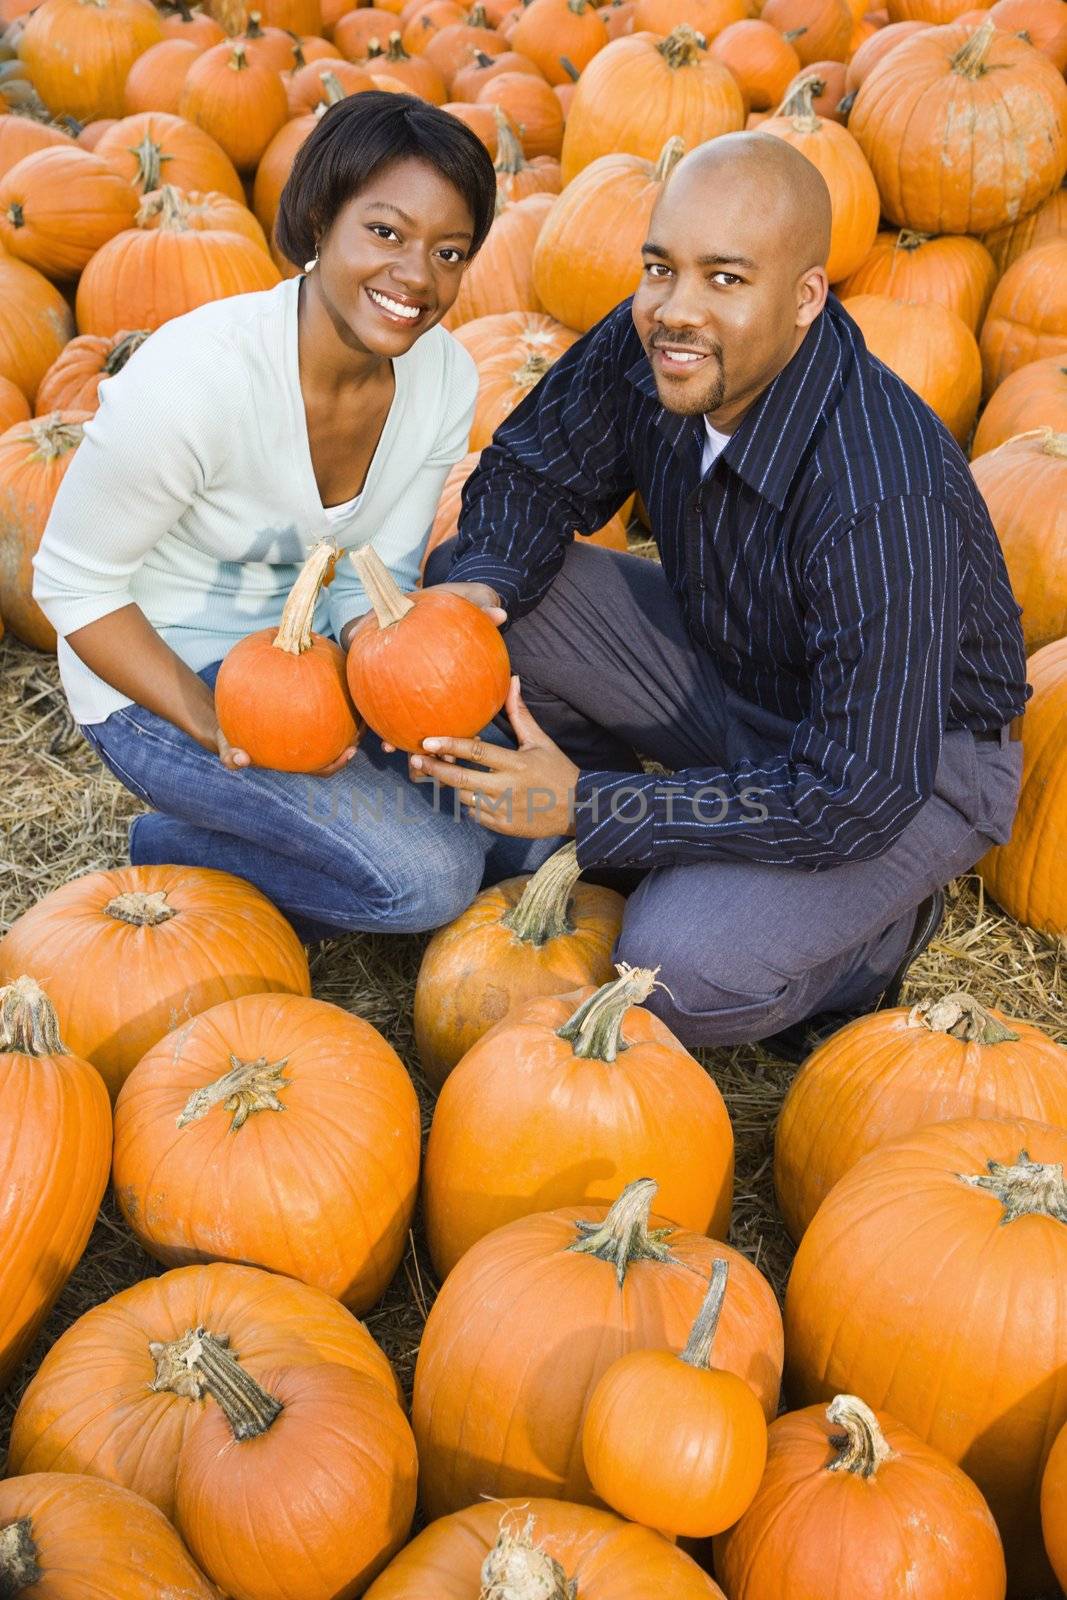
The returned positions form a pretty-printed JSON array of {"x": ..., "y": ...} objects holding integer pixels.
[
  {"x": 339, "y": 513},
  {"x": 714, "y": 445}
]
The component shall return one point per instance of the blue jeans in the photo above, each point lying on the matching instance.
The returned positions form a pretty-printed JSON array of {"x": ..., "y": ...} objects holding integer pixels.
[{"x": 366, "y": 849}]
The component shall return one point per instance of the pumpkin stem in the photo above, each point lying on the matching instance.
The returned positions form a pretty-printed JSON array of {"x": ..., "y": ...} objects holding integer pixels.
[
  {"x": 540, "y": 913},
  {"x": 481, "y": 58},
  {"x": 910, "y": 239},
  {"x": 238, "y": 61},
  {"x": 532, "y": 370},
  {"x": 1054, "y": 444},
  {"x": 477, "y": 17},
  {"x": 861, "y": 1449},
  {"x": 299, "y": 58},
  {"x": 16, "y": 216},
  {"x": 28, "y": 1022},
  {"x": 579, "y": 7},
  {"x": 123, "y": 349},
  {"x": 683, "y": 47},
  {"x": 697, "y": 1352},
  {"x": 150, "y": 157},
  {"x": 799, "y": 104},
  {"x": 595, "y": 1029},
  {"x": 254, "y": 28},
  {"x": 332, "y": 88},
  {"x": 169, "y": 205},
  {"x": 385, "y": 594},
  {"x": 211, "y": 1367},
  {"x": 569, "y": 68},
  {"x": 962, "y": 1017},
  {"x": 668, "y": 159},
  {"x": 624, "y": 1235},
  {"x": 18, "y": 1559},
  {"x": 1027, "y": 1189},
  {"x": 248, "y": 1086},
  {"x": 141, "y": 910},
  {"x": 970, "y": 59},
  {"x": 51, "y": 437},
  {"x": 294, "y": 631},
  {"x": 396, "y": 51},
  {"x": 509, "y": 153},
  {"x": 518, "y": 1569},
  {"x": 846, "y": 102},
  {"x": 173, "y": 1374}
]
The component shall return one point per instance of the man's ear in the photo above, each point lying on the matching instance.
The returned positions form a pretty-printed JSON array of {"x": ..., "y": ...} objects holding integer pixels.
[{"x": 812, "y": 290}]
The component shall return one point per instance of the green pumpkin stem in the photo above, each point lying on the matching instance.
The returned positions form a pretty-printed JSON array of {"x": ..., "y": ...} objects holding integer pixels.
[
  {"x": 624, "y": 1235},
  {"x": 294, "y": 633},
  {"x": 569, "y": 68},
  {"x": 595, "y": 1029},
  {"x": 248, "y": 1087},
  {"x": 28, "y": 1022},
  {"x": 518, "y": 1569},
  {"x": 668, "y": 158},
  {"x": 540, "y": 913},
  {"x": 389, "y": 601},
  {"x": 962, "y": 1017},
  {"x": 140, "y": 909},
  {"x": 1027, "y": 1189},
  {"x": 332, "y": 88},
  {"x": 799, "y": 104},
  {"x": 697, "y": 1352},
  {"x": 911, "y": 239},
  {"x": 200, "y": 1363},
  {"x": 123, "y": 350},
  {"x": 862, "y": 1448},
  {"x": 509, "y": 152},
  {"x": 19, "y": 1568},
  {"x": 150, "y": 158}
]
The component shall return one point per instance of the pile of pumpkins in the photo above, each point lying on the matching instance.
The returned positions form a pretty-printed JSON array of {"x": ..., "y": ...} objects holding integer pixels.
[{"x": 596, "y": 1398}]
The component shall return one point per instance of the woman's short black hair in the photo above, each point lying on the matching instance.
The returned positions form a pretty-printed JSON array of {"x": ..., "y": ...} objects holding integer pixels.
[{"x": 353, "y": 140}]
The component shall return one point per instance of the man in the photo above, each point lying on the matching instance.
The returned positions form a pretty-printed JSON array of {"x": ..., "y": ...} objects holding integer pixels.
[{"x": 828, "y": 660}]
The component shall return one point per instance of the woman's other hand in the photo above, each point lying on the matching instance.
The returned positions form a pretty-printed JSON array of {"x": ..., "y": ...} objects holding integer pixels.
[{"x": 233, "y": 757}]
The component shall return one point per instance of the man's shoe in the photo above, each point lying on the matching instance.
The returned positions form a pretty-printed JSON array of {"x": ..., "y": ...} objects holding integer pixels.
[{"x": 796, "y": 1043}]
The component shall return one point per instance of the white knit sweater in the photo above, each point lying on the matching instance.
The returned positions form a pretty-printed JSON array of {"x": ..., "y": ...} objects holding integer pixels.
[{"x": 193, "y": 492}]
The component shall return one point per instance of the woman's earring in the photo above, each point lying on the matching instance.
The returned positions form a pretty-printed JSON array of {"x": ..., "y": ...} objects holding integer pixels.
[{"x": 309, "y": 266}]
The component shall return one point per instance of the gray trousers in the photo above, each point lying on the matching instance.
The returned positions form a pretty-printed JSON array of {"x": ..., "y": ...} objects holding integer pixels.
[{"x": 608, "y": 669}]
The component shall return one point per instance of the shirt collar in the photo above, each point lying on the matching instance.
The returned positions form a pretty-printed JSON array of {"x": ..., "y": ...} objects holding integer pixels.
[{"x": 767, "y": 448}]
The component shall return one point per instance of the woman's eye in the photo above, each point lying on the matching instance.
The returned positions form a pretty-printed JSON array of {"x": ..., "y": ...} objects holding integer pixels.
[
  {"x": 383, "y": 230},
  {"x": 453, "y": 255}
]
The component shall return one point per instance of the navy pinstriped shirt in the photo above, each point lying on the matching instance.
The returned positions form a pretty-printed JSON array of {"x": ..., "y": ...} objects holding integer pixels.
[{"x": 837, "y": 561}]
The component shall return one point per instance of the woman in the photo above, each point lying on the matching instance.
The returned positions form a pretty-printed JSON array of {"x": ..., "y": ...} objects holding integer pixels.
[{"x": 235, "y": 438}]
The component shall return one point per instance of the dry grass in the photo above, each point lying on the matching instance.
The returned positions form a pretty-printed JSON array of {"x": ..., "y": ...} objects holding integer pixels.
[{"x": 60, "y": 815}]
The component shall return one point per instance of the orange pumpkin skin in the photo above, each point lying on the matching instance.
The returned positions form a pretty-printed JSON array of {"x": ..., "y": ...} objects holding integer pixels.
[
  {"x": 479, "y": 119},
  {"x": 606, "y": 1558},
  {"x": 305, "y": 1193},
  {"x": 708, "y": 17},
  {"x": 760, "y": 58},
  {"x": 195, "y": 25},
  {"x": 1054, "y": 1507},
  {"x": 427, "y": 22},
  {"x": 515, "y": 176},
  {"x": 93, "y": 132},
  {"x": 548, "y": 30},
  {"x": 935, "y": 13},
  {"x": 49, "y": 1101},
  {"x": 204, "y": 213},
  {"x": 951, "y": 271},
  {"x": 258, "y": 682},
  {"x": 92, "y": 1407},
  {"x": 843, "y": 1535},
  {"x": 1043, "y": 21},
  {"x": 273, "y": 170},
  {"x": 419, "y": 76},
  {"x": 1034, "y": 396},
  {"x": 354, "y": 32},
  {"x": 1027, "y": 317},
  {"x": 875, "y": 49},
  {"x": 500, "y": 278},
  {"x": 34, "y": 457},
  {"x": 295, "y": 16},
  {"x": 126, "y": 955},
  {"x": 853, "y": 193},
  {"x": 455, "y": 46},
  {"x": 533, "y": 109},
  {"x": 35, "y": 326},
  {"x": 239, "y": 101},
  {"x": 79, "y": 52},
  {"x": 482, "y": 67},
  {"x": 156, "y": 79},
  {"x": 513, "y": 351},
  {"x": 154, "y": 148},
  {"x": 930, "y": 348},
  {"x": 641, "y": 91},
  {"x": 1026, "y": 876},
  {"x": 822, "y": 28},
  {"x": 72, "y": 382},
  {"x": 1007, "y": 244},
  {"x": 588, "y": 254},
  {"x": 310, "y": 86},
  {"x": 59, "y": 206},
  {"x": 80, "y": 1526},
  {"x": 332, "y": 1480},
  {"x": 909, "y": 1243},
  {"x": 964, "y": 131},
  {"x": 1024, "y": 484},
  {"x": 887, "y": 1074},
  {"x": 14, "y": 407},
  {"x": 21, "y": 136},
  {"x": 513, "y": 1322},
  {"x": 525, "y": 1123}
]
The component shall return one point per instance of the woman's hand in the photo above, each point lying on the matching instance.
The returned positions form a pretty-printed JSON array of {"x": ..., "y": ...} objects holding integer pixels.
[{"x": 234, "y": 758}]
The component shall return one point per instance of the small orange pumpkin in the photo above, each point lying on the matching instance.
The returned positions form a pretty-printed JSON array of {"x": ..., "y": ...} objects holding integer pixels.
[
  {"x": 454, "y": 46},
  {"x": 204, "y": 213},
  {"x": 59, "y": 206},
  {"x": 708, "y": 17},
  {"x": 34, "y": 457},
  {"x": 930, "y": 348},
  {"x": 72, "y": 382},
  {"x": 1034, "y": 396},
  {"x": 240, "y": 102},
  {"x": 500, "y": 278},
  {"x": 954, "y": 271},
  {"x": 187, "y": 22},
  {"x": 419, "y": 76},
  {"x": 156, "y": 79},
  {"x": 762, "y": 60},
  {"x": 530, "y": 105},
  {"x": 354, "y": 32},
  {"x": 322, "y": 83},
  {"x": 512, "y": 350},
  {"x": 154, "y": 148},
  {"x": 21, "y": 136},
  {"x": 1024, "y": 484},
  {"x": 554, "y": 32},
  {"x": 35, "y": 326},
  {"x": 480, "y": 68},
  {"x": 78, "y": 52},
  {"x": 1027, "y": 316},
  {"x": 515, "y": 176},
  {"x": 14, "y": 407},
  {"x": 817, "y": 29}
]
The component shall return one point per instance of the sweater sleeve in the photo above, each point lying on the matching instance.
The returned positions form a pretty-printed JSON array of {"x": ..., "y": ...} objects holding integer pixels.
[
  {"x": 401, "y": 538},
  {"x": 149, "y": 451}
]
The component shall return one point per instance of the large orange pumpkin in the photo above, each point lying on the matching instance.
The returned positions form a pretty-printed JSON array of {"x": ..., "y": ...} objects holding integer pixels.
[
  {"x": 1034, "y": 396},
  {"x": 952, "y": 271},
  {"x": 59, "y": 206},
  {"x": 928, "y": 346},
  {"x": 641, "y": 91},
  {"x": 34, "y": 457},
  {"x": 1024, "y": 484},
  {"x": 50, "y": 1102},
  {"x": 72, "y": 382},
  {"x": 426, "y": 663},
  {"x": 156, "y": 148},
  {"x": 258, "y": 1133},
  {"x": 1027, "y": 316},
  {"x": 762, "y": 60},
  {"x": 853, "y": 1505},
  {"x": 550, "y": 1549},
  {"x": 553, "y": 31},
  {"x": 542, "y": 1307},
  {"x": 35, "y": 325},
  {"x": 79, "y": 52},
  {"x": 1054, "y": 1507},
  {"x": 588, "y": 255},
  {"x": 163, "y": 268},
  {"x": 965, "y": 130},
  {"x": 1026, "y": 875},
  {"x": 21, "y": 136},
  {"x": 156, "y": 79},
  {"x": 962, "y": 1226},
  {"x": 1008, "y": 243},
  {"x": 547, "y": 933},
  {"x": 568, "y": 1098},
  {"x": 59, "y": 1533},
  {"x": 127, "y": 955},
  {"x": 513, "y": 351},
  {"x": 240, "y": 102},
  {"x": 14, "y": 407},
  {"x": 115, "y": 1396},
  {"x": 887, "y": 1074},
  {"x": 500, "y": 278}
]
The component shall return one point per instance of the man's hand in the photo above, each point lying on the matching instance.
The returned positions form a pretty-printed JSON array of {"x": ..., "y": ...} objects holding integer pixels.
[{"x": 527, "y": 793}]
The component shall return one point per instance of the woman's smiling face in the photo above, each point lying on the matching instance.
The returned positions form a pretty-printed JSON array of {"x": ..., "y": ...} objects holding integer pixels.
[{"x": 391, "y": 263}]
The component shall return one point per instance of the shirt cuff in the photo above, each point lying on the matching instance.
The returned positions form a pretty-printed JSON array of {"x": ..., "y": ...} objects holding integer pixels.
[
  {"x": 614, "y": 814},
  {"x": 477, "y": 567}
]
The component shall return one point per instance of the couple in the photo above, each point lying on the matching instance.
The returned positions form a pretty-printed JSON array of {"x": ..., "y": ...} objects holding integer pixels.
[{"x": 827, "y": 662}]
